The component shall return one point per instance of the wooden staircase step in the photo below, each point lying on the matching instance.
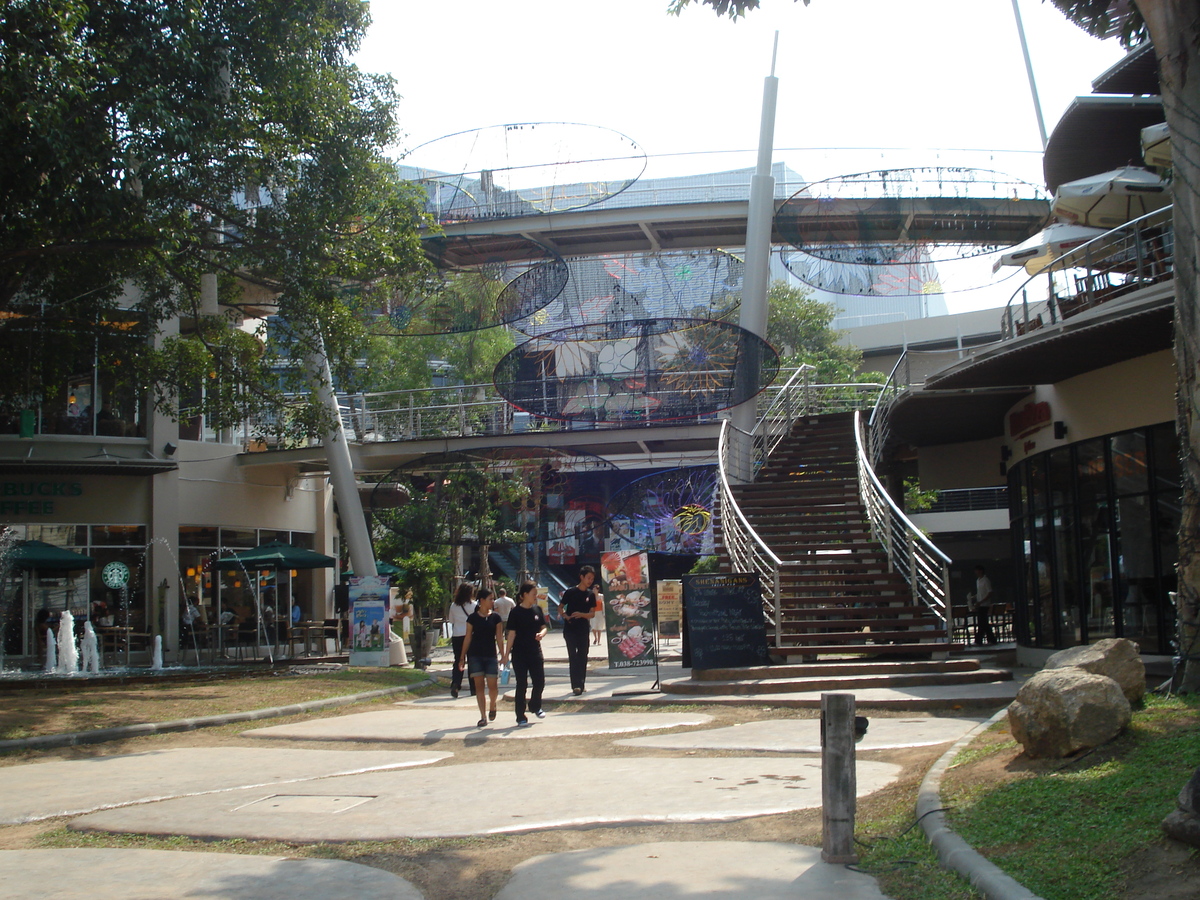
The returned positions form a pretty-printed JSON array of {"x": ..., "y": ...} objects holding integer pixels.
[
  {"x": 836, "y": 682},
  {"x": 834, "y": 667},
  {"x": 867, "y": 639}
]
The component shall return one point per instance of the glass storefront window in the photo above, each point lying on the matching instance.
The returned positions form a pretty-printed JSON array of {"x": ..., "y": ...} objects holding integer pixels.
[
  {"x": 1097, "y": 554},
  {"x": 199, "y": 536},
  {"x": 241, "y": 538},
  {"x": 1129, "y": 467},
  {"x": 118, "y": 535}
]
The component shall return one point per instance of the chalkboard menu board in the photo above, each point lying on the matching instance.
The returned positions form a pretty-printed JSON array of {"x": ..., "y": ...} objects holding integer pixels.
[{"x": 725, "y": 623}]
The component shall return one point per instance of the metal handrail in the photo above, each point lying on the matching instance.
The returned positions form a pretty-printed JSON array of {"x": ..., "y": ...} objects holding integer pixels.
[
  {"x": 747, "y": 551},
  {"x": 1134, "y": 255},
  {"x": 913, "y": 556}
]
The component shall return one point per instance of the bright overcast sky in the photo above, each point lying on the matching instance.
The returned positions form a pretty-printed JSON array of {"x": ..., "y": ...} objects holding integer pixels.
[{"x": 852, "y": 74}]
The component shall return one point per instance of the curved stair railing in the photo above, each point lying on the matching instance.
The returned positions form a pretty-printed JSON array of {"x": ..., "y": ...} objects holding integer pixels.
[
  {"x": 739, "y": 452},
  {"x": 909, "y": 552},
  {"x": 746, "y": 550}
]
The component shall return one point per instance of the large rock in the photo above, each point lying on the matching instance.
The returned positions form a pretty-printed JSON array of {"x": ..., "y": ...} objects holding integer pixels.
[
  {"x": 1183, "y": 823},
  {"x": 1058, "y": 712},
  {"x": 1118, "y": 658}
]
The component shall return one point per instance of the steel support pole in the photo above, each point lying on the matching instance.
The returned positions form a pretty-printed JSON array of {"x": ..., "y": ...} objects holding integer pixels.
[
  {"x": 341, "y": 468},
  {"x": 753, "y": 314}
]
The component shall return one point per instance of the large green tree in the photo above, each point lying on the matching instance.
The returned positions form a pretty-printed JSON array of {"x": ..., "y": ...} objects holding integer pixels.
[
  {"x": 150, "y": 143},
  {"x": 1173, "y": 27}
]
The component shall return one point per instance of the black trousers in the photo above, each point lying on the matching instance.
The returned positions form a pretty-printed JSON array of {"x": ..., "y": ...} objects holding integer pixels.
[
  {"x": 983, "y": 625},
  {"x": 456, "y": 677},
  {"x": 578, "y": 641},
  {"x": 528, "y": 669}
]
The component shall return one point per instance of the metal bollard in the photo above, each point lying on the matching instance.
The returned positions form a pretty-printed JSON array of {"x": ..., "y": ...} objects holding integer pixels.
[{"x": 839, "y": 782}]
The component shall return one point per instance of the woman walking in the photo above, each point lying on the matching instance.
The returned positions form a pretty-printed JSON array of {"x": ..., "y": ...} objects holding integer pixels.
[
  {"x": 483, "y": 637},
  {"x": 462, "y": 607},
  {"x": 525, "y": 630}
]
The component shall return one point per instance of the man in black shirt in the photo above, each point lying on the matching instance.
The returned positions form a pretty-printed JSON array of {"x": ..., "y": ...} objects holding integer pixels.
[{"x": 578, "y": 607}]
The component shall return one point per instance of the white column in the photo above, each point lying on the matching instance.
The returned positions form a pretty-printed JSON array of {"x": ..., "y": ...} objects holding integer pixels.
[{"x": 753, "y": 311}]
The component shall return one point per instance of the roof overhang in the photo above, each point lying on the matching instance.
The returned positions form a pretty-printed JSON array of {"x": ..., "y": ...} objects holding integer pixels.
[
  {"x": 1135, "y": 73},
  {"x": 927, "y": 418},
  {"x": 112, "y": 466},
  {"x": 1096, "y": 134}
]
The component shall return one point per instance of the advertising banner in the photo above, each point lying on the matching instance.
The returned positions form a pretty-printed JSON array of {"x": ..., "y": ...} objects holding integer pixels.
[
  {"x": 629, "y": 623},
  {"x": 369, "y": 620},
  {"x": 670, "y": 607}
]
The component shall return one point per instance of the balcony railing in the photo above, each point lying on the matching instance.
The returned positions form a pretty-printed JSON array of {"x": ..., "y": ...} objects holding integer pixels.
[{"x": 1136, "y": 255}]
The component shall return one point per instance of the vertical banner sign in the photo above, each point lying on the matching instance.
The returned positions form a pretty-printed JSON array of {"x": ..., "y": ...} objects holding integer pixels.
[
  {"x": 725, "y": 622},
  {"x": 368, "y": 620},
  {"x": 629, "y": 624},
  {"x": 670, "y": 607}
]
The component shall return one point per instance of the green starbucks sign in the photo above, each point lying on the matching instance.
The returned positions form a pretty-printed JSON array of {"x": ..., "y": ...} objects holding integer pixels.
[{"x": 115, "y": 575}]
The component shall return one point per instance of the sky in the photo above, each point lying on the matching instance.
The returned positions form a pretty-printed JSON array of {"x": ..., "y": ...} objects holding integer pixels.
[{"x": 863, "y": 84}]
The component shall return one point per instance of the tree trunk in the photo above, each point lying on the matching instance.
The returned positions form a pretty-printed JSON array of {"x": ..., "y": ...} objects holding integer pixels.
[{"x": 1174, "y": 27}]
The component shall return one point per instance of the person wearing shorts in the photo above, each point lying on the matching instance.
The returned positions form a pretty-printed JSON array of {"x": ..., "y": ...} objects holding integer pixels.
[
  {"x": 598, "y": 622},
  {"x": 483, "y": 635}
]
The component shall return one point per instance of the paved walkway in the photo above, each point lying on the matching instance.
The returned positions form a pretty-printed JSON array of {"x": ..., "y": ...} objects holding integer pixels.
[{"x": 305, "y": 793}]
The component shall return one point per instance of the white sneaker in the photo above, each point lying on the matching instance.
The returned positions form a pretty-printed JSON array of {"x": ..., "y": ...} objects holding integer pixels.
[{"x": 541, "y": 713}]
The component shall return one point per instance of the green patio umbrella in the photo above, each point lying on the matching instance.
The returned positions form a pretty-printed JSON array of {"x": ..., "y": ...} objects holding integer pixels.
[
  {"x": 383, "y": 568},
  {"x": 278, "y": 555},
  {"x": 46, "y": 557}
]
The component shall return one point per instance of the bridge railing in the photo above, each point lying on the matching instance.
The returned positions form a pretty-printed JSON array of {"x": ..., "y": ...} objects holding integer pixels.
[{"x": 1135, "y": 255}]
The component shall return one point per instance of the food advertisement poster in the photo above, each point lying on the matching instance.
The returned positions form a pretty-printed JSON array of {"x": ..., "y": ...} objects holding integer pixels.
[
  {"x": 628, "y": 613},
  {"x": 670, "y": 607},
  {"x": 368, "y": 620}
]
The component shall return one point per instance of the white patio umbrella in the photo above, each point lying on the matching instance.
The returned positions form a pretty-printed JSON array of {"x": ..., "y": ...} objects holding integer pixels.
[
  {"x": 1047, "y": 245},
  {"x": 1110, "y": 199},
  {"x": 1156, "y": 145}
]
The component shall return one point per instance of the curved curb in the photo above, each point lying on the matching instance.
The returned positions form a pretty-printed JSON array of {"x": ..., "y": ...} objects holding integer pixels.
[
  {"x": 100, "y": 735},
  {"x": 953, "y": 852}
]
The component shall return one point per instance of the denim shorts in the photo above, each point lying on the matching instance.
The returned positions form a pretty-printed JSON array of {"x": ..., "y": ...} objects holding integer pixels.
[{"x": 482, "y": 665}]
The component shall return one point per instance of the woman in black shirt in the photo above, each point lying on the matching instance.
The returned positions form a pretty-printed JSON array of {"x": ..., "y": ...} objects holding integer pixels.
[
  {"x": 478, "y": 658},
  {"x": 526, "y": 628}
]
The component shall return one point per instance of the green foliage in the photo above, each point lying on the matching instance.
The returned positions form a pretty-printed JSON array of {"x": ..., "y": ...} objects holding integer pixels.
[
  {"x": 425, "y": 574},
  {"x": 798, "y": 328},
  {"x": 150, "y": 143},
  {"x": 1101, "y": 18},
  {"x": 915, "y": 499},
  {"x": 706, "y": 565}
]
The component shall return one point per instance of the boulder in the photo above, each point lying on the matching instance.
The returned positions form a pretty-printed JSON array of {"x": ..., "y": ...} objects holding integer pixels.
[
  {"x": 1058, "y": 712},
  {"x": 1118, "y": 658},
  {"x": 1183, "y": 824}
]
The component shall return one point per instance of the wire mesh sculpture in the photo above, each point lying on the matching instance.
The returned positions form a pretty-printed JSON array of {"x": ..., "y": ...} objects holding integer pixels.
[
  {"x": 498, "y": 293},
  {"x": 698, "y": 284},
  {"x": 523, "y": 169},
  {"x": 636, "y": 371},
  {"x": 869, "y": 218},
  {"x": 667, "y": 512}
]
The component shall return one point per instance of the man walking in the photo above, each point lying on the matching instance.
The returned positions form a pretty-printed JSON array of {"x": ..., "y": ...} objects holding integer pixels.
[
  {"x": 578, "y": 607},
  {"x": 983, "y": 608}
]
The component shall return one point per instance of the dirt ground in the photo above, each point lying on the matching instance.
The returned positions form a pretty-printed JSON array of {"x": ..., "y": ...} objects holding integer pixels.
[{"x": 474, "y": 868}]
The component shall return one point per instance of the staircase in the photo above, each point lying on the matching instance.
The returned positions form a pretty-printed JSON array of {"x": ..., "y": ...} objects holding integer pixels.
[{"x": 838, "y": 595}]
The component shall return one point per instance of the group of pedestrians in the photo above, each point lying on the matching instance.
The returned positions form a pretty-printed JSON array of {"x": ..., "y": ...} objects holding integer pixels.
[{"x": 489, "y": 632}]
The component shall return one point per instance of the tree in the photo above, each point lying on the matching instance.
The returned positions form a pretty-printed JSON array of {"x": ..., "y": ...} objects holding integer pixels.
[
  {"x": 798, "y": 328},
  {"x": 150, "y": 144},
  {"x": 1173, "y": 27}
]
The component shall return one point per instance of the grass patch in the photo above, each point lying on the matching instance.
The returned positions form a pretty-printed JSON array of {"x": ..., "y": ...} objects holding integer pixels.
[
  {"x": 905, "y": 863},
  {"x": 1064, "y": 831},
  {"x": 80, "y": 707}
]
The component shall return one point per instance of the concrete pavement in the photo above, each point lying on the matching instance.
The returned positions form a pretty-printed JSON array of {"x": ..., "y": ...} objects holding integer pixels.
[{"x": 304, "y": 801}]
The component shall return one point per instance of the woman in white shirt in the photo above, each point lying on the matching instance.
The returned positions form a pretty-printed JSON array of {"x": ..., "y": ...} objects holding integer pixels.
[{"x": 463, "y": 606}]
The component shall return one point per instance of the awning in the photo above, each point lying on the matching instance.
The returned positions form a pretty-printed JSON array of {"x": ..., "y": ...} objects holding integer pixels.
[
  {"x": 47, "y": 557},
  {"x": 278, "y": 555},
  {"x": 1098, "y": 133},
  {"x": 382, "y": 568}
]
